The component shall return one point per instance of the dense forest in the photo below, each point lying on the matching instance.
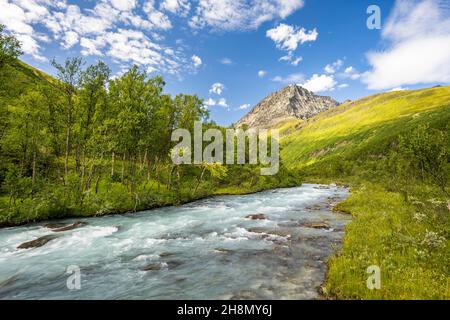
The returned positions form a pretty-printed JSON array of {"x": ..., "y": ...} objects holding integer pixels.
[{"x": 87, "y": 143}]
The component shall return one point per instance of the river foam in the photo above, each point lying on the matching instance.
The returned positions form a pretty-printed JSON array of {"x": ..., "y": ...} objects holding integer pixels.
[{"x": 202, "y": 250}]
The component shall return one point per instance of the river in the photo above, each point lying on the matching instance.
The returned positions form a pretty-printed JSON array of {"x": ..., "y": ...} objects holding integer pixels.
[{"x": 208, "y": 249}]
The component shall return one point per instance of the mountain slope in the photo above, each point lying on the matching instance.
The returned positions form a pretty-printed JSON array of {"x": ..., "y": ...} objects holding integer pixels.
[
  {"x": 17, "y": 78},
  {"x": 290, "y": 103},
  {"x": 401, "y": 218},
  {"x": 365, "y": 128}
]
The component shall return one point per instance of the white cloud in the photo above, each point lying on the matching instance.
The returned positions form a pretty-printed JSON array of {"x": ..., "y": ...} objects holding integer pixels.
[
  {"x": 217, "y": 88},
  {"x": 291, "y": 59},
  {"x": 333, "y": 67},
  {"x": 210, "y": 102},
  {"x": 196, "y": 60},
  {"x": 91, "y": 46},
  {"x": 113, "y": 28},
  {"x": 320, "y": 83},
  {"x": 124, "y": 5},
  {"x": 290, "y": 79},
  {"x": 262, "y": 73},
  {"x": 418, "y": 33},
  {"x": 19, "y": 17},
  {"x": 226, "y": 61},
  {"x": 222, "y": 102},
  {"x": 288, "y": 37},
  {"x": 134, "y": 47},
  {"x": 343, "y": 86},
  {"x": 398, "y": 89},
  {"x": 157, "y": 18},
  {"x": 241, "y": 14},
  {"x": 180, "y": 7},
  {"x": 70, "y": 39},
  {"x": 244, "y": 106},
  {"x": 352, "y": 73}
]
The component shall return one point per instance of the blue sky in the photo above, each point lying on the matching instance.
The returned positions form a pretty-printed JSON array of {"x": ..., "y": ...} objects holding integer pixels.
[{"x": 233, "y": 53}]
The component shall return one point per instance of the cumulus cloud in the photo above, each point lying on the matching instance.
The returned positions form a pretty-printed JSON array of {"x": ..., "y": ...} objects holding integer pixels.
[
  {"x": 157, "y": 18},
  {"x": 222, "y": 102},
  {"x": 110, "y": 28},
  {"x": 290, "y": 79},
  {"x": 19, "y": 17},
  {"x": 334, "y": 67},
  {"x": 352, "y": 73},
  {"x": 288, "y": 37},
  {"x": 320, "y": 83},
  {"x": 241, "y": 14},
  {"x": 210, "y": 102},
  {"x": 123, "y": 5},
  {"x": 244, "y": 106},
  {"x": 180, "y": 7},
  {"x": 418, "y": 52},
  {"x": 291, "y": 59},
  {"x": 262, "y": 73},
  {"x": 70, "y": 39},
  {"x": 226, "y": 61},
  {"x": 398, "y": 89},
  {"x": 196, "y": 60},
  {"x": 217, "y": 88}
]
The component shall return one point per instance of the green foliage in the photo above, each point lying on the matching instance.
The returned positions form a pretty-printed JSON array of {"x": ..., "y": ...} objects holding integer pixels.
[
  {"x": 409, "y": 242},
  {"x": 427, "y": 150},
  {"x": 393, "y": 150},
  {"x": 85, "y": 144},
  {"x": 10, "y": 48}
]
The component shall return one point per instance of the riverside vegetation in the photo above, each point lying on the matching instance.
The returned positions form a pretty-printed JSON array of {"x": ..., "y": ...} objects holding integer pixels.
[
  {"x": 84, "y": 144},
  {"x": 393, "y": 150}
]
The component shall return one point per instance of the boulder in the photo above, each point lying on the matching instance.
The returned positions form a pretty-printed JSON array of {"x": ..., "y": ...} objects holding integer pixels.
[
  {"x": 71, "y": 226},
  {"x": 54, "y": 225},
  {"x": 223, "y": 250},
  {"x": 166, "y": 254},
  {"x": 152, "y": 267},
  {"x": 317, "y": 225},
  {"x": 39, "y": 242},
  {"x": 257, "y": 216}
]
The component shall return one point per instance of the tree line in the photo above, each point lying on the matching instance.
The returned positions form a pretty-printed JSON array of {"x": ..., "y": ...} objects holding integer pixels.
[{"x": 85, "y": 141}]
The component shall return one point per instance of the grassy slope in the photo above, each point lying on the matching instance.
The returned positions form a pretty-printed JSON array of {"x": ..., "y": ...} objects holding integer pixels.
[
  {"x": 25, "y": 77},
  {"x": 364, "y": 128},
  {"x": 387, "y": 231}
]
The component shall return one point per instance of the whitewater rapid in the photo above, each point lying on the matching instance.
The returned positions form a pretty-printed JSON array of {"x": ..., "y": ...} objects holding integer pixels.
[{"x": 209, "y": 249}]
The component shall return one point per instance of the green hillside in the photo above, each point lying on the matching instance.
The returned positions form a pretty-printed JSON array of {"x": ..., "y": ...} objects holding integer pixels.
[
  {"x": 17, "y": 77},
  {"x": 393, "y": 150},
  {"x": 364, "y": 129}
]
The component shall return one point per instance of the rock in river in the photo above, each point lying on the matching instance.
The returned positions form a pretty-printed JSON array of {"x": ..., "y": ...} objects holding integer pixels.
[
  {"x": 54, "y": 225},
  {"x": 258, "y": 216},
  {"x": 317, "y": 225},
  {"x": 71, "y": 226},
  {"x": 39, "y": 242},
  {"x": 152, "y": 267}
]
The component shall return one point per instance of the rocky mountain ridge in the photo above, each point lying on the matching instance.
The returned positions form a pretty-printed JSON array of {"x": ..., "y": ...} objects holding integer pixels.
[{"x": 289, "y": 103}]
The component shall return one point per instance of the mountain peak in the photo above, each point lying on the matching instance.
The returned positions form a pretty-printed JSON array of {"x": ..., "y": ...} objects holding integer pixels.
[{"x": 290, "y": 102}]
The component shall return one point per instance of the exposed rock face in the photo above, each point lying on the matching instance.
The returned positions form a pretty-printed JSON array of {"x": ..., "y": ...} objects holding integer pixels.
[
  {"x": 39, "y": 242},
  {"x": 291, "y": 102}
]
